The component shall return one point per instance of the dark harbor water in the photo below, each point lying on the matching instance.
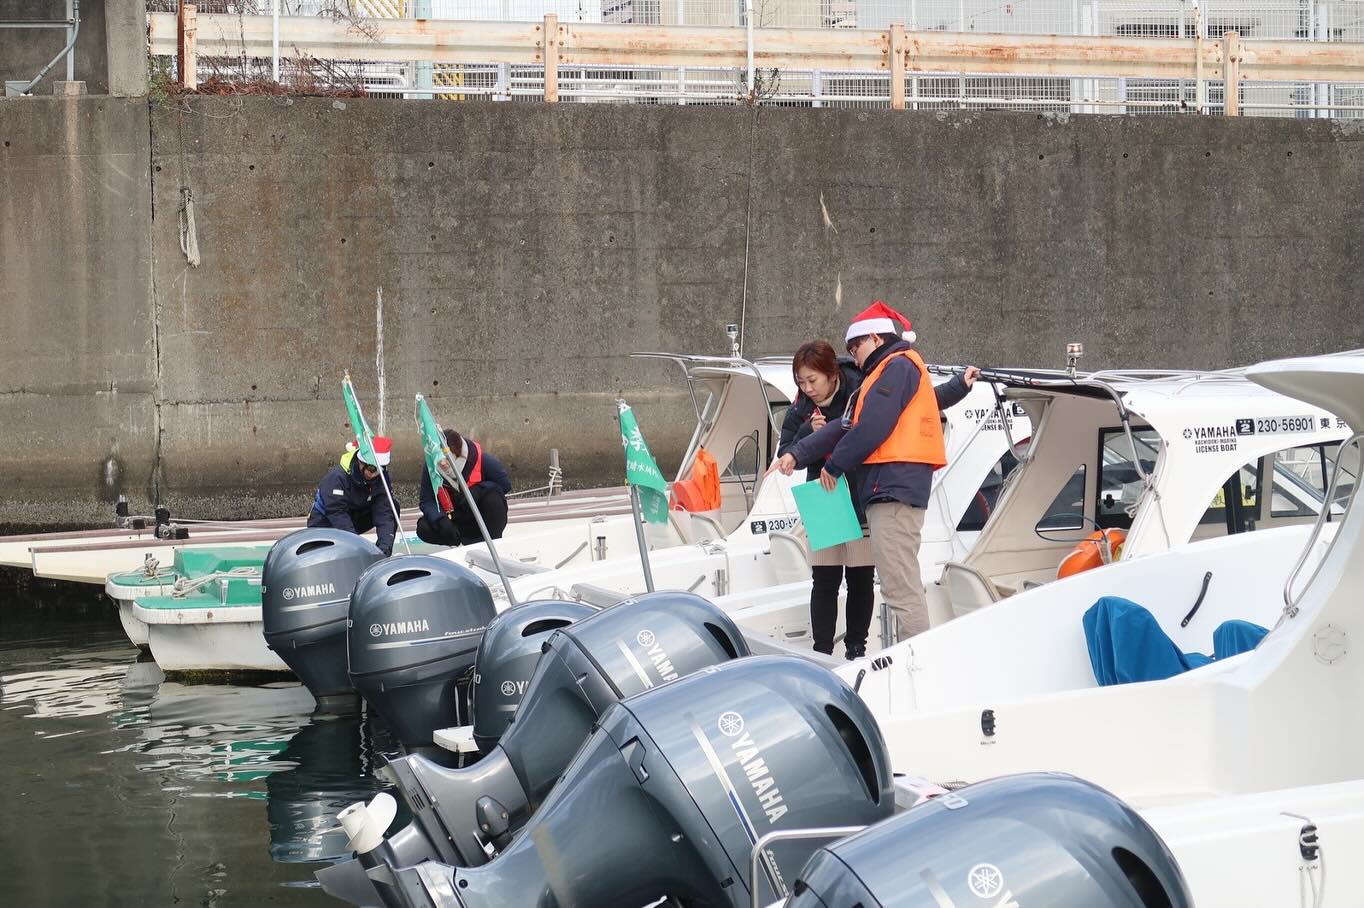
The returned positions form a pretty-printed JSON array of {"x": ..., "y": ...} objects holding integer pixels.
[{"x": 122, "y": 788}]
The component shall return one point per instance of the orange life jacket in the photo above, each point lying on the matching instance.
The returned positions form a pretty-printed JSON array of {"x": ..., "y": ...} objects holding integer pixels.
[
  {"x": 702, "y": 491},
  {"x": 917, "y": 436},
  {"x": 443, "y": 498}
]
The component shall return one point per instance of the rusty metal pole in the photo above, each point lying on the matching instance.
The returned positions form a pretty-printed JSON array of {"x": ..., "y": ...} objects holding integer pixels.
[
  {"x": 897, "y": 67},
  {"x": 187, "y": 57},
  {"x": 551, "y": 58},
  {"x": 1231, "y": 73}
]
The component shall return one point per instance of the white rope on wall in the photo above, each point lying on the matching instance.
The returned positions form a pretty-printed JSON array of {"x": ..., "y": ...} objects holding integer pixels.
[{"x": 189, "y": 234}]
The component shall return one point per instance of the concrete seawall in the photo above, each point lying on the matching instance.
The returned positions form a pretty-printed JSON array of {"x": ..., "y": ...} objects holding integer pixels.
[{"x": 523, "y": 250}]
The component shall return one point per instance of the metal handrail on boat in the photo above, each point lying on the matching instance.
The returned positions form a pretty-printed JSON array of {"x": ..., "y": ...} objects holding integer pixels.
[
  {"x": 778, "y": 835},
  {"x": 689, "y": 361},
  {"x": 1048, "y": 378},
  {"x": 1290, "y": 607}
]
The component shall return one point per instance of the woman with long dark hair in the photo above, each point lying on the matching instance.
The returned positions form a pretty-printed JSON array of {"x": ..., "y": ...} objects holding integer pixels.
[{"x": 826, "y": 382}]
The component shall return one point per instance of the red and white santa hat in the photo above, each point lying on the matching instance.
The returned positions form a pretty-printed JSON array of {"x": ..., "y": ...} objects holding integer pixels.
[
  {"x": 383, "y": 451},
  {"x": 878, "y": 318}
]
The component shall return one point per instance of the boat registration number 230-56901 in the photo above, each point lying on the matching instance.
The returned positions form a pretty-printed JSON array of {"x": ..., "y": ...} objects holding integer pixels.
[
  {"x": 1273, "y": 425},
  {"x": 773, "y": 525}
]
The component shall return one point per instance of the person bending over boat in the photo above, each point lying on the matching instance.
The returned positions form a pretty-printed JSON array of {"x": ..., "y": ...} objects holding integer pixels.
[
  {"x": 826, "y": 382},
  {"x": 446, "y": 518},
  {"x": 890, "y": 440},
  {"x": 351, "y": 496}
]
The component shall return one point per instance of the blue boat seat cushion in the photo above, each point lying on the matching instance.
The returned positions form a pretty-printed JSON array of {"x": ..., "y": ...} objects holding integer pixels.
[{"x": 1127, "y": 644}]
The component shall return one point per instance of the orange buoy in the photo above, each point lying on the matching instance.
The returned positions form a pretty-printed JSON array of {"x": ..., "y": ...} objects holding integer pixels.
[{"x": 1089, "y": 553}]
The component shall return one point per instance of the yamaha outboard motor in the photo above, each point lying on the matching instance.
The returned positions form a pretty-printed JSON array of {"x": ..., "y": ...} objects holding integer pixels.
[
  {"x": 415, "y": 624},
  {"x": 461, "y": 816},
  {"x": 306, "y": 584},
  {"x": 670, "y": 794},
  {"x": 506, "y": 660},
  {"x": 1034, "y": 839}
]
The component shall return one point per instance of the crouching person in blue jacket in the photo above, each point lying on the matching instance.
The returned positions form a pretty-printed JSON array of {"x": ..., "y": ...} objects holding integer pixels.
[
  {"x": 351, "y": 496},
  {"x": 446, "y": 518}
]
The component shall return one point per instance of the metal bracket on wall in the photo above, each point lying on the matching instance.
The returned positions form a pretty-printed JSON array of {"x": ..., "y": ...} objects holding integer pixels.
[{"x": 72, "y": 24}]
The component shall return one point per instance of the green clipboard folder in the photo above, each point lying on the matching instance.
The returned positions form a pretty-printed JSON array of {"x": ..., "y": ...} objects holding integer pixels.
[{"x": 828, "y": 517}]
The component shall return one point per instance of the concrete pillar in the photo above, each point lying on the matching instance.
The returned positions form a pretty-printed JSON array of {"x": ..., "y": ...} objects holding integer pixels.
[{"x": 125, "y": 35}]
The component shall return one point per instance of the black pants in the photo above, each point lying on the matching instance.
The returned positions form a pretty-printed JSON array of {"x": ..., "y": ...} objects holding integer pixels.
[
  {"x": 824, "y": 606},
  {"x": 461, "y": 528}
]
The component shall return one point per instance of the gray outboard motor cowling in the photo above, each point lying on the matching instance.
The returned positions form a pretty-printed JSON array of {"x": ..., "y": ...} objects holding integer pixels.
[
  {"x": 586, "y": 668},
  {"x": 415, "y": 625},
  {"x": 306, "y": 583},
  {"x": 671, "y": 792},
  {"x": 506, "y": 660},
  {"x": 1034, "y": 839},
  {"x": 461, "y": 815}
]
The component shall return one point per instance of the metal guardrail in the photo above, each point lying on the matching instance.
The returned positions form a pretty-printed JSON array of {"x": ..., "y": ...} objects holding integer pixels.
[
  {"x": 1093, "y": 65},
  {"x": 584, "y": 44}
]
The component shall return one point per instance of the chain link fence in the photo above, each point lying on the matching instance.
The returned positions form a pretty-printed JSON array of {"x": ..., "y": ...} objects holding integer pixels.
[{"x": 1295, "y": 20}]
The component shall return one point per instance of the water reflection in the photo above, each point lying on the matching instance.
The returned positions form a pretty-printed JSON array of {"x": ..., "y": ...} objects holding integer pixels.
[
  {"x": 129, "y": 788},
  {"x": 334, "y": 759},
  {"x": 221, "y": 732}
]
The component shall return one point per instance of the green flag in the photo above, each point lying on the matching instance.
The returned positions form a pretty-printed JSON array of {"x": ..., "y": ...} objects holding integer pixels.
[
  {"x": 363, "y": 437},
  {"x": 434, "y": 449},
  {"x": 640, "y": 469}
]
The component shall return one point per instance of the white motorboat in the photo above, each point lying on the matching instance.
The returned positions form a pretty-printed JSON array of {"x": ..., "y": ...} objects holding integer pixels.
[
  {"x": 1248, "y": 767},
  {"x": 761, "y": 568},
  {"x": 739, "y": 408},
  {"x": 1124, "y": 464}
]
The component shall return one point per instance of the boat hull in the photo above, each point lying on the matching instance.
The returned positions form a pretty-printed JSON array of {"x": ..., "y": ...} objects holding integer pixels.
[
  {"x": 135, "y": 628},
  {"x": 227, "y": 639}
]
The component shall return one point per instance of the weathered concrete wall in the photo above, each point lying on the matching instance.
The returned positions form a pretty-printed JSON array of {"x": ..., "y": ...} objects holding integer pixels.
[
  {"x": 77, "y": 367},
  {"x": 1158, "y": 242},
  {"x": 520, "y": 254},
  {"x": 522, "y": 250}
]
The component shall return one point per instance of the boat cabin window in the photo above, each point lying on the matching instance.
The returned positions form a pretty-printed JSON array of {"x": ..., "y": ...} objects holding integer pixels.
[
  {"x": 1237, "y": 503},
  {"x": 779, "y": 408},
  {"x": 1119, "y": 486},
  {"x": 987, "y": 496},
  {"x": 1301, "y": 477},
  {"x": 1297, "y": 478},
  {"x": 1067, "y": 509}
]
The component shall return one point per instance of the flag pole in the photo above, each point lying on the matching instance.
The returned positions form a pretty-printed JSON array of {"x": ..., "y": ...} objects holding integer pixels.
[
  {"x": 487, "y": 537},
  {"x": 392, "y": 506},
  {"x": 639, "y": 534},
  {"x": 383, "y": 474},
  {"x": 635, "y": 509}
]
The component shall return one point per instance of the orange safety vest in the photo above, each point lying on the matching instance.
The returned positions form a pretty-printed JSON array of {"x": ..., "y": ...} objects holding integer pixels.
[
  {"x": 444, "y": 500},
  {"x": 917, "y": 436}
]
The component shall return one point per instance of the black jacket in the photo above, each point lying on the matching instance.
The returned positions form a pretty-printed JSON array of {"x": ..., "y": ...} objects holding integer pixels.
[
  {"x": 345, "y": 500},
  {"x": 796, "y": 425},
  {"x": 848, "y": 446},
  {"x": 494, "y": 475}
]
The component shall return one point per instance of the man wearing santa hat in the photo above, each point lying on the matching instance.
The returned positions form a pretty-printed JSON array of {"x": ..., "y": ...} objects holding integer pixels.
[
  {"x": 351, "y": 496},
  {"x": 890, "y": 441}
]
